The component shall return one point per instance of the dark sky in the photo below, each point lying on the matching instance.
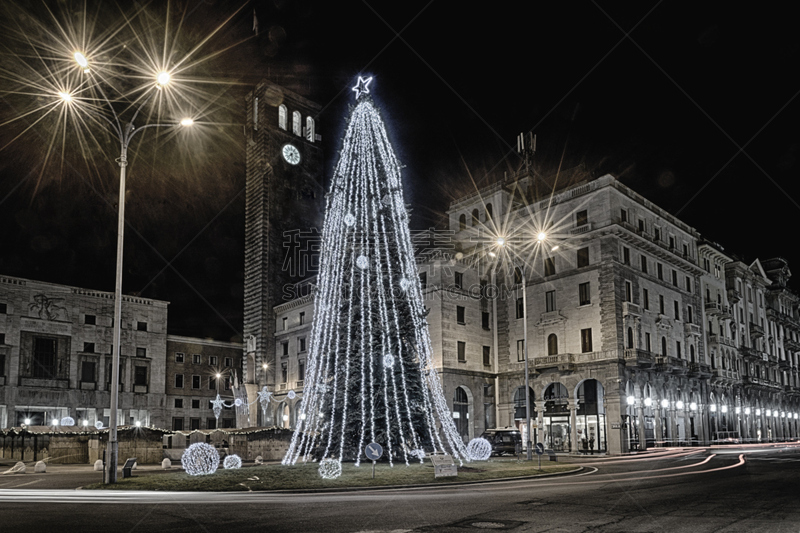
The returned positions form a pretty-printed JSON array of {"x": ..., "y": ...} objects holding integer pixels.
[{"x": 692, "y": 106}]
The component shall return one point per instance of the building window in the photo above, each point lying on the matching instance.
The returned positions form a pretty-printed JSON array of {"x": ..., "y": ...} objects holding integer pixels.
[
  {"x": 211, "y": 423},
  {"x": 623, "y": 215},
  {"x": 227, "y": 383},
  {"x": 646, "y": 299},
  {"x": 212, "y": 360},
  {"x": 630, "y": 338},
  {"x": 44, "y": 357},
  {"x": 628, "y": 291},
  {"x": 423, "y": 280},
  {"x": 552, "y": 344},
  {"x": 310, "y": 129},
  {"x": 520, "y": 350},
  {"x": 301, "y": 344},
  {"x": 297, "y": 124},
  {"x": 678, "y": 349},
  {"x": 689, "y": 315},
  {"x": 660, "y": 273},
  {"x": 178, "y": 403},
  {"x": 583, "y": 257},
  {"x": 196, "y": 358},
  {"x": 462, "y": 222},
  {"x": 460, "y": 314},
  {"x": 664, "y": 346},
  {"x": 641, "y": 225},
  {"x": 550, "y": 301},
  {"x": 87, "y": 319},
  {"x": 661, "y": 304},
  {"x": 584, "y": 295},
  {"x": 87, "y": 371},
  {"x": 284, "y": 372},
  {"x": 285, "y": 323},
  {"x": 475, "y": 217},
  {"x": 676, "y": 309},
  {"x": 656, "y": 234},
  {"x": 586, "y": 340},
  {"x": 194, "y": 423},
  {"x": 177, "y": 424},
  {"x": 647, "y": 342},
  {"x": 285, "y": 348},
  {"x": 282, "y": 116},
  {"x": 301, "y": 370},
  {"x": 141, "y": 326},
  {"x": 178, "y": 381},
  {"x": 141, "y": 352},
  {"x": 195, "y": 382},
  {"x": 626, "y": 255},
  {"x": 487, "y": 356},
  {"x": 549, "y": 266},
  {"x": 302, "y": 318},
  {"x": 212, "y": 383},
  {"x": 462, "y": 352},
  {"x": 643, "y": 261},
  {"x": 672, "y": 243},
  {"x": 688, "y": 284},
  {"x": 488, "y": 211},
  {"x": 140, "y": 375},
  {"x": 675, "y": 278},
  {"x": 195, "y": 404},
  {"x": 459, "y": 280},
  {"x": 685, "y": 250},
  {"x": 228, "y": 362},
  {"x": 88, "y": 347},
  {"x": 582, "y": 218},
  {"x": 520, "y": 308},
  {"x": 485, "y": 320}
]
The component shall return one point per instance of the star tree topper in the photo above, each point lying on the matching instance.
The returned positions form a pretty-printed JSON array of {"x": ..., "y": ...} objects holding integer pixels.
[{"x": 362, "y": 87}]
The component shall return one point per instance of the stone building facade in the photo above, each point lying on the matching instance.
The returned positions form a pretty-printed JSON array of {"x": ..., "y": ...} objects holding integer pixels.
[
  {"x": 640, "y": 333},
  {"x": 196, "y": 371},
  {"x": 55, "y": 355}
]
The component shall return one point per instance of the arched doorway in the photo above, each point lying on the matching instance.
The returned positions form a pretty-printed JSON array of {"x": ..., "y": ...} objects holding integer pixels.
[
  {"x": 461, "y": 412},
  {"x": 556, "y": 424},
  {"x": 590, "y": 418},
  {"x": 284, "y": 413}
]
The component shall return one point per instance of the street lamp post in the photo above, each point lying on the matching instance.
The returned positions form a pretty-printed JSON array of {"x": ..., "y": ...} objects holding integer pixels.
[
  {"x": 525, "y": 353},
  {"x": 124, "y": 135}
]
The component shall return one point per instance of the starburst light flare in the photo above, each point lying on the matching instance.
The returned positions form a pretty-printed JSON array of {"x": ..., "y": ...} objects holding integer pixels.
[{"x": 371, "y": 376}]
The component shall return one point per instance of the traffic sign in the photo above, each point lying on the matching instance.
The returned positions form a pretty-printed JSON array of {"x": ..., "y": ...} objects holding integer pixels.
[
  {"x": 539, "y": 448},
  {"x": 373, "y": 451}
]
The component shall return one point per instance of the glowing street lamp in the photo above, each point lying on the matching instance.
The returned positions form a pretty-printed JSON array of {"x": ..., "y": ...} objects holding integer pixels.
[
  {"x": 82, "y": 61},
  {"x": 162, "y": 80},
  {"x": 187, "y": 122},
  {"x": 65, "y": 96}
]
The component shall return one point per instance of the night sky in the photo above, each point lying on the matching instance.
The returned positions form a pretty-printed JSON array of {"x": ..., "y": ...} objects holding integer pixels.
[{"x": 692, "y": 106}]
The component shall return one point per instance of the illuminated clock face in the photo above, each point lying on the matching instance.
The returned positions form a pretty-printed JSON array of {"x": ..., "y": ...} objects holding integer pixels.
[{"x": 291, "y": 154}]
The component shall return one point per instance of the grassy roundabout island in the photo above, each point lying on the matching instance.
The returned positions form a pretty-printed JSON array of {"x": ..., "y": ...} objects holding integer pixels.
[{"x": 306, "y": 477}]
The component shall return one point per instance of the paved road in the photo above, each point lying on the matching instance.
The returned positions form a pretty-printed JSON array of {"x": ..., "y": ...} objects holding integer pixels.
[{"x": 693, "y": 491}]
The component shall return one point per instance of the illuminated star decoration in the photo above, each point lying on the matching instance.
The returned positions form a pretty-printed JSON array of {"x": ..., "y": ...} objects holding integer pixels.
[
  {"x": 362, "y": 87},
  {"x": 217, "y": 404},
  {"x": 264, "y": 396}
]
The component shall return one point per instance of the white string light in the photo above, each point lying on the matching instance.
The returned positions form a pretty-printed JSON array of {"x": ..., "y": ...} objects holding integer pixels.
[
  {"x": 200, "y": 459},
  {"x": 370, "y": 370},
  {"x": 479, "y": 449},
  {"x": 232, "y": 462}
]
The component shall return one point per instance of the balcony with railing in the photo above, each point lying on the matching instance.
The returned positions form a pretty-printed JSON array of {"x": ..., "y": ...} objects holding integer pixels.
[
  {"x": 630, "y": 308},
  {"x": 640, "y": 358},
  {"x": 721, "y": 341},
  {"x": 756, "y": 331}
]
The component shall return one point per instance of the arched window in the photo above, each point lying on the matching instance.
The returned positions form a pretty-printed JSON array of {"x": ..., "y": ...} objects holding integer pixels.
[
  {"x": 713, "y": 360},
  {"x": 297, "y": 124},
  {"x": 462, "y": 222},
  {"x": 663, "y": 346},
  {"x": 552, "y": 344},
  {"x": 517, "y": 276},
  {"x": 475, "y": 217},
  {"x": 310, "y": 129},
  {"x": 461, "y": 411},
  {"x": 282, "y": 116},
  {"x": 630, "y": 337},
  {"x": 488, "y": 211},
  {"x": 284, "y": 413}
]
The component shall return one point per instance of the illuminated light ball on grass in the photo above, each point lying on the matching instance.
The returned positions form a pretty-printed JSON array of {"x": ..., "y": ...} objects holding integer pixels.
[
  {"x": 362, "y": 262},
  {"x": 479, "y": 449},
  {"x": 349, "y": 219},
  {"x": 67, "y": 421},
  {"x": 291, "y": 394},
  {"x": 232, "y": 462},
  {"x": 330, "y": 468},
  {"x": 200, "y": 459}
]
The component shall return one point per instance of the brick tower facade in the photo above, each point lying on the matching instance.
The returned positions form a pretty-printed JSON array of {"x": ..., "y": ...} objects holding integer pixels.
[{"x": 283, "y": 213}]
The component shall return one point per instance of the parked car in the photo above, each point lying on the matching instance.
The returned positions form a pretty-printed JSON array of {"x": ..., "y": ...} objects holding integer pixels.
[{"x": 504, "y": 440}]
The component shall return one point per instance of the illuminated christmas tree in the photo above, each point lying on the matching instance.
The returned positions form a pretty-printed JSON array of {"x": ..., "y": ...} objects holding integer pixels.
[{"x": 370, "y": 374}]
